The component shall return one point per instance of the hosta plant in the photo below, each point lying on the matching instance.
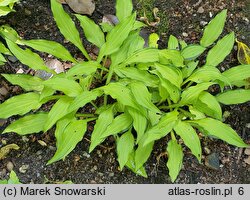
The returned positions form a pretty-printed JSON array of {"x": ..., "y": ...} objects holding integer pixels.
[{"x": 144, "y": 95}]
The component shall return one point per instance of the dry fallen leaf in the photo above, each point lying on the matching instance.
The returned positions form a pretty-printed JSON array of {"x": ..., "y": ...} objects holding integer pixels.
[
  {"x": 247, "y": 160},
  {"x": 81, "y": 6},
  {"x": 243, "y": 54},
  {"x": 6, "y": 149}
]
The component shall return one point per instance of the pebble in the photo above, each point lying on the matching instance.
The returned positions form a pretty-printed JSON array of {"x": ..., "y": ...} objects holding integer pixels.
[
  {"x": 27, "y": 12},
  {"x": 185, "y": 34},
  {"x": 203, "y": 23},
  {"x": 247, "y": 160},
  {"x": 3, "y": 91},
  {"x": 247, "y": 151},
  {"x": 12, "y": 59},
  {"x": 111, "y": 174},
  {"x": 207, "y": 150},
  {"x": 212, "y": 161},
  {"x": 248, "y": 125},
  {"x": 200, "y": 10},
  {"x": 25, "y": 139},
  {"x": 210, "y": 15},
  {"x": 9, "y": 166},
  {"x": 85, "y": 154},
  {"x": 23, "y": 168}
]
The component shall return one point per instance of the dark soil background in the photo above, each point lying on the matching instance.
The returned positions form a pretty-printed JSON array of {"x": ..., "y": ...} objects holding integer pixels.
[{"x": 221, "y": 163}]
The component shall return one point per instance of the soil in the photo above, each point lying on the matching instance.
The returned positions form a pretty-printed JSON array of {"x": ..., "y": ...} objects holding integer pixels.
[{"x": 185, "y": 20}]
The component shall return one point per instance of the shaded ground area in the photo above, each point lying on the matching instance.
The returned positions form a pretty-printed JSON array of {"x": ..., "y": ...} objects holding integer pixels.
[{"x": 185, "y": 20}]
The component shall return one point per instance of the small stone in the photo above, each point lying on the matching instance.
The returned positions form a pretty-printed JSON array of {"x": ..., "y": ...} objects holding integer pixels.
[
  {"x": 212, "y": 161},
  {"x": 210, "y": 15},
  {"x": 23, "y": 168},
  {"x": 247, "y": 160},
  {"x": 248, "y": 125},
  {"x": 207, "y": 150},
  {"x": 185, "y": 34},
  {"x": 27, "y": 12},
  {"x": 20, "y": 71},
  {"x": 42, "y": 143},
  {"x": 25, "y": 139},
  {"x": 85, "y": 154},
  {"x": 200, "y": 10},
  {"x": 9, "y": 166},
  {"x": 82, "y": 6},
  {"x": 247, "y": 151},
  {"x": 203, "y": 23},
  {"x": 12, "y": 59},
  {"x": 3, "y": 91},
  {"x": 111, "y": 174}
]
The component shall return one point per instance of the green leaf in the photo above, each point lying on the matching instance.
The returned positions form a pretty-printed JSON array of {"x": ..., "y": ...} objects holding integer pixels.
[
  {"x": 219, "y": 52},
  {"x": 67, "y": 26},
  {"x": 142, "y": 154},
  {"x": 4, "y": 10},
  {"x": 67, "y": 86},
  {"x": 27, "y": 125},
  {"x": 168, "y": 56},
  {"x": 139, "y": 123},
  {"x": 13, "y": 178},
  {"x": 3, "y": 181},
  {"x": 173, "y": 43},
  {"x": 206, "y": 74},
  {"x": 7, "y": 2},
  {"x": 191, "y": 52},
  {"x": 83, "y": 68},
  {"x": 125, "y": 146},
  {"x": 124, "y": 9},
  {"x": 27, "y": 57},
  {"x": 4, "y": 50},
  {"x": 121, "y": 123},
  {"x": 72, "y": 134},
  {"x": 117, "y": 36},
  {"x": 214, "y": 29},
  {"x": 237, "y": 75},
  {"x": 83, "y": 98},
  {"x": 146, "y": 55},
  {"x": 143, "y": 96},
  {"x": 234, "y": 97},
  {"x": 153, "y": 40},
  {"x": 8, "y": 33},
  {"x": 122, "y": 94},
  {"x": 160, "y": 130},
  {"x": 139, "y": 75},
  {"x": 170, "y": 73},
  {"x": 27, "y": 82},
  {"x": 190, "y": 138},
  {"x": 20, "y": 105},
  {"x": 189, "y": 68},
  {"x": 209, "y": 105},
  {"x": 175, "y": 157},
  {"x": 58, "y": 111},
  {"x": 218, "y": 129},
  {"x": 92, "y": 31},
  {"x": 191, "y": 94},
  {"x": 103, "y": 121},
  {"x": 50, "y": 47},
  {"x": 131, "y": 165}
]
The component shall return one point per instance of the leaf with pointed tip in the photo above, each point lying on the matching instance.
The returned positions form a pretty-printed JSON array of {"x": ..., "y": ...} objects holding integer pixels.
[
  {"x": 189, "y": 68},
  {"x": 191, "y": 52},
  {"x": 234, "y": 97},
  {"x": 121, "y": 123},
  {"x": 67, "y": 26},
  {"x": 173, "y": 43},
  {"x": 238, "y": 75},
  {"x": 125, "y": 146},
  {"x": 4, "y": 50},
  {"x": 124, "y": 9},
  {"x": 139, "y": 123},
  {"x": 83, "y": 68},
  {"x": 20, "y": 105},
  {"x": 164, "y": 126},
  {"x": 191, "y": 94},
  {"x": 67, "y": 86},
  {"x": 222, "y": 131},
  {"x": 214, "y": 29},
  {"x": 50, "y": 47},
  {"x": 189, "y": 137},
  {"x": 27, "y": 82},
  {"x": 72, "y": 134},
  {"x": 92, "y": 31},
  {"x": 58, "y": 111},
  {"x": 28, "y": 124},
  {"x": 27, "y": 57},
  {"x": 143, "y": 96},
  {"x": 219, "y": 52},
  {"x": 175, "y": 157},
  {"x": 170, "y": 56},
  {"x": 209, "y": 105},
  {"x": 83, "y": 98},
  {"x": 103, "y": 121},
  {"x": 142, "y": 154}
]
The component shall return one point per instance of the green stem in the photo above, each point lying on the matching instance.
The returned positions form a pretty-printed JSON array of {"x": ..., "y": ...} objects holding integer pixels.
[
  {"x": 186, "y": 113},
  {"x": 170, "y": 106},
  {"x": 94, "y": 105},
  {"x": 173, "y": 136},
  {"x": 103, "y": 65},
  {"x": 85, "y": 115}
]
